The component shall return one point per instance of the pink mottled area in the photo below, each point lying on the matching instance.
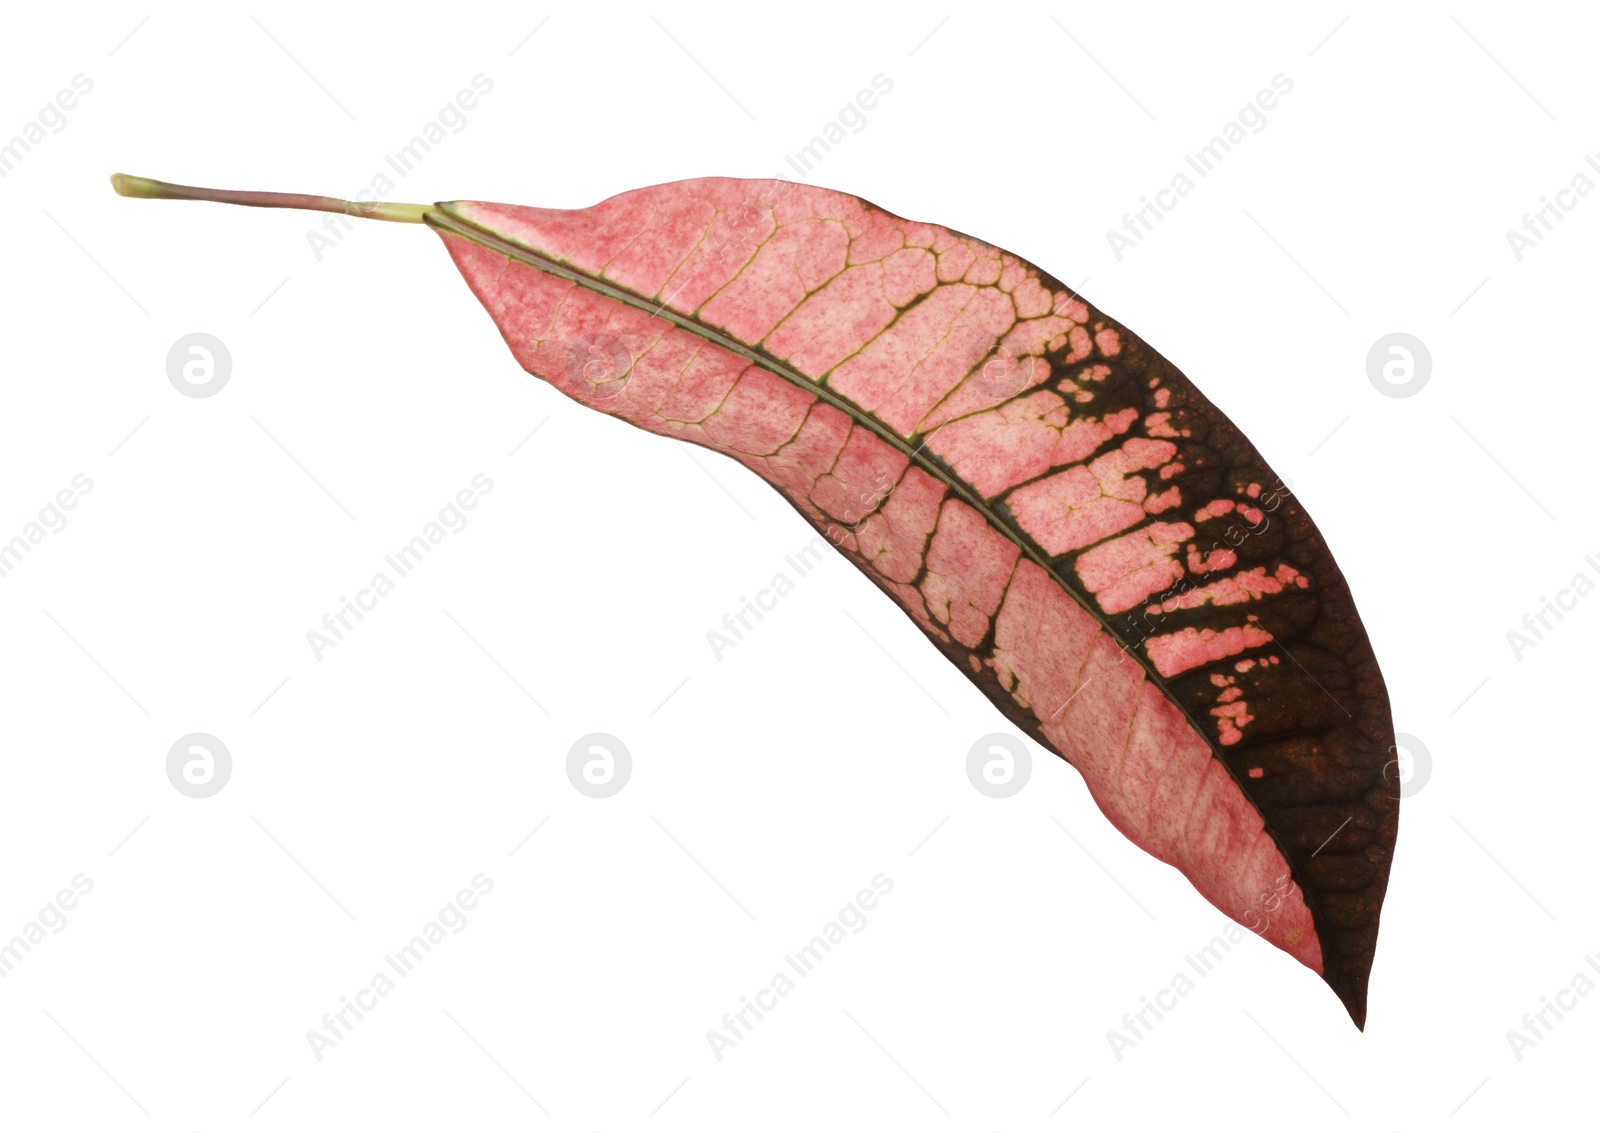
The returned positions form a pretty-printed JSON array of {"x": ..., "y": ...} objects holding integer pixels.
[
  {"x": 1150, "y": 772},
  {"x": 898, "y": 319},
  {"x": 1187, "y": 649},
  {"x": 1125, "y": 571},
  {"x": 1246, "y": 586}
]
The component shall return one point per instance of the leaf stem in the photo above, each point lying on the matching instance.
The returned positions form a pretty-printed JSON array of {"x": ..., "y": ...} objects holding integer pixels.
[{"x": 130, "y": 186}]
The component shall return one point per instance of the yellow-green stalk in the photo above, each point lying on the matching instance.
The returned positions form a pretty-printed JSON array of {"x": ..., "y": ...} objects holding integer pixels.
[{"x": 130, "y": 186}]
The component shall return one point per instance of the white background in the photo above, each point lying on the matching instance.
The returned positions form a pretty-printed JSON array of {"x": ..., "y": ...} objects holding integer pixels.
[{"x": 769, "y": 786}]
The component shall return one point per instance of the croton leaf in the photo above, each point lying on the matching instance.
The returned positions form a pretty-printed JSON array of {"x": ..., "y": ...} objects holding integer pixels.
[{"x": 1063, "y": 513}]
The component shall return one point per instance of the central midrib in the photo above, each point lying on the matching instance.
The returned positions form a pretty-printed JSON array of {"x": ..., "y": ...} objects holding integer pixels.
[{"x": 452, "y": 221}]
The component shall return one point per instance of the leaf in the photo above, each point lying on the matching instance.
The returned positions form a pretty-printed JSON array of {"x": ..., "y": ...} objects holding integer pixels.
[{"x": 1092, "y": 542}]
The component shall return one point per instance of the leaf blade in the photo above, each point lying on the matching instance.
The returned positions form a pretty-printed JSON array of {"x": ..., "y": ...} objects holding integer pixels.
[{"x": 1225, "y": 716}]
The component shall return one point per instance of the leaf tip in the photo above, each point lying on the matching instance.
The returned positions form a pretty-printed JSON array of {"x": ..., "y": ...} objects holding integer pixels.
[{"x": 1354, "y": 997}]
